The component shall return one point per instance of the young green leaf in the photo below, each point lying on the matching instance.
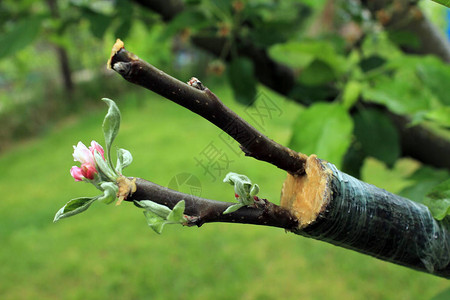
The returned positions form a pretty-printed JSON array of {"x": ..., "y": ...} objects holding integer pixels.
[
  {"x": 177, "y": 213},
  {"x": 104, "y": 168},
  {"x": 158, "y": 209},
  {"x": 232, "y": 178},
  {"x": 154, "y": 221},
  {"x": 73, "y": 207},
  {"x": 233, "y": 208},
  {"x": 124, "y": 159},
  {"x": 254, "y": 190},
  {"x": 110, "y": 190},
  {"x": 111, "y": 125},
  {"x": 243, "y": 188}
]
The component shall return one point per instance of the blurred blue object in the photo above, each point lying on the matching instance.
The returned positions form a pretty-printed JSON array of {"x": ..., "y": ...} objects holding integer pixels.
[{"x": 448, "y": 24}]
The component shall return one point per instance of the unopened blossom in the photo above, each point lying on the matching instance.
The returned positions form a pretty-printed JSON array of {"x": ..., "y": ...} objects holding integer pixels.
[
  {"x": 85, "y": 156},
  {"x": 98, "y": 147},
  {"x": 82, "y": 154}
]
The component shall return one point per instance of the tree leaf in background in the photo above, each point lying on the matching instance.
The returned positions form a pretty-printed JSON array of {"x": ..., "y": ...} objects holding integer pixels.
[
  {"x": 354, "y": 160},
  {"x": 21, "y": 35},
  {"x": 435, "y": 74},
  {"x": 317, "y": 73},
  {"x": 124, "y": 12},
  {"x": 98, "y": 23},
  {"x": 445, "y": 3},
  {"x": 377, "y": 135},
  {"x": 438, "y": 200},
  {"x": 402, "y": 94},
  {"x": 371, "y": 63},
  {"x": 405, "y": 39},
  {"x": 351, "y": 93},
  {"x": 324, "y": 129},
  {"x": 310, "y": 94},
  {"x": 440, "y": 115},
  {"x": 300, "y": 54},
  {"x": 191, "y": 18},
  {"x": 123, "y": 29},
  {"x": 267, "y": 17},
  {"x": 242, "y": 80},
  {"x": 423, "y": 181}
]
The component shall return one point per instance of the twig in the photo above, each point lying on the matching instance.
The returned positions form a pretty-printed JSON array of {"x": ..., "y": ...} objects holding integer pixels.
[
  {"x": 206, "y": 104},
  {"x": 201, "y": 210}
]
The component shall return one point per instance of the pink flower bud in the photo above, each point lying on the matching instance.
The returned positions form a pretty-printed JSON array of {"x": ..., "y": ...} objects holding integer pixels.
[
  {"x": 82, "y": 154},
  {"x": 76, "y": 173},
  {"x": 86, "y": 157},
  {"x": 96, "y": 146},
  {"x": 88, "y": 171}
]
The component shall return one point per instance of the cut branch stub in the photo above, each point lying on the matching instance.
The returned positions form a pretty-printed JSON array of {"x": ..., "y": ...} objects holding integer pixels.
[{"x": 306, "y": 196}]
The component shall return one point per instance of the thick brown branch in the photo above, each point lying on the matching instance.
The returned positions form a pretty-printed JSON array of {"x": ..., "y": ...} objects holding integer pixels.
[
  {"x": 207, "y": 211},
  {"x": 325, "y": 203},
  {"x": 207, "y": 105}
]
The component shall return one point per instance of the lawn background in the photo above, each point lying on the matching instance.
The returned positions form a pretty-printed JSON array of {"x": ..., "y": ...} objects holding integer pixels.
[{"x": 109, "y": 252}]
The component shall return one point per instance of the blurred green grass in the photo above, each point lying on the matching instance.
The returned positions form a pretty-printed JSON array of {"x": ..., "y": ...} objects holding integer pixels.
[{"x": 109, "y": 252}]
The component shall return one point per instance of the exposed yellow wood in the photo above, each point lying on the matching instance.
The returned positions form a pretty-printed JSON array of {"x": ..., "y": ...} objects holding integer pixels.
[
  {"x": 116, "y": 47},
  {"x": 306, "y": 196}
]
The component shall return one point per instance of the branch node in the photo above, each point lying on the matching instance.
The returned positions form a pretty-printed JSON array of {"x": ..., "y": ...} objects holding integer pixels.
[{"x": 195, "y": 83}]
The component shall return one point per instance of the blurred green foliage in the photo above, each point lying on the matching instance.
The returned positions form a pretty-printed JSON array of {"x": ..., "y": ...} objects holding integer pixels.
[{"x": 116, "y": 256}]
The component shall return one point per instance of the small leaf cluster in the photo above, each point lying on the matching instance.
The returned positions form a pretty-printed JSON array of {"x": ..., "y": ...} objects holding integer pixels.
[
  {"x": 245, "y": 191},
  {"x": 158, "y": 215}
]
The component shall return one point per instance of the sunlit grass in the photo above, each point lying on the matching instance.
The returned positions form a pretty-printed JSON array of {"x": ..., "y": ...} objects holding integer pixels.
[{"x": 108, "y": 252}]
